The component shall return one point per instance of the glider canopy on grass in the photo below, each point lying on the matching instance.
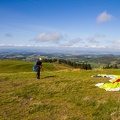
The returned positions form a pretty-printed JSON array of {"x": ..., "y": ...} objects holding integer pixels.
[{"x": 114, "y": 84}]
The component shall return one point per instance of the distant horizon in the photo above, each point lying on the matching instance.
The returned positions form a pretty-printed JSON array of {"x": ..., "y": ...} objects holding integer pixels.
[
  {"x": 47, "y": 46},
  {"x": 62, "y": 50}
]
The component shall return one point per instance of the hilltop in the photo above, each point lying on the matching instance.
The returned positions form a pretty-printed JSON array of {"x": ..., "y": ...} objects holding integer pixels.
[{"x": 62, "y": 93}]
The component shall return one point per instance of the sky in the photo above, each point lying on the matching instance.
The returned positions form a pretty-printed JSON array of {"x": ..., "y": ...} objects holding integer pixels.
[{"x": 60, "y": 23}]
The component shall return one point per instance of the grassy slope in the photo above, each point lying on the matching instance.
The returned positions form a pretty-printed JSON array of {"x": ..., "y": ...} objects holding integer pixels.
[{"x": 61, "y": 94}]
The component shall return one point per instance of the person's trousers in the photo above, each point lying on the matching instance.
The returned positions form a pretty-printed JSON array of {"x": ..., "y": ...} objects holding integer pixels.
[{"x": 38, "y": 74}]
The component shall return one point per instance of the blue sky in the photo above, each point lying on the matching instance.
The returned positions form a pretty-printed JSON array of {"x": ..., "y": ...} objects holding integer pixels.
[{"x": 60, "y": 23}]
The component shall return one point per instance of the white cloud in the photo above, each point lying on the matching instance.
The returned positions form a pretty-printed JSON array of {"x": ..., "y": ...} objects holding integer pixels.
[
  {"x": 47, "y": 37},
  {"x": 116, "y": 42},
  {"x": 95, "y": 38},
  {"x": 72, "y": 42},
  {"x": 92, "y": 39},
  {"x": 104, "y": 17},
  {"x": 95, "y": 46}
]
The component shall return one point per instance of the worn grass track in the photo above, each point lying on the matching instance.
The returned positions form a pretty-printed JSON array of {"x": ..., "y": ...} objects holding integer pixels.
[{"x": 63, "y": 94}]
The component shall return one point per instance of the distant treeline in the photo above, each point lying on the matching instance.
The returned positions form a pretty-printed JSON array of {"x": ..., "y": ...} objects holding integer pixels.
[
  {"x": 85, "y": 66},
  {"x": 110, "y": 66}
]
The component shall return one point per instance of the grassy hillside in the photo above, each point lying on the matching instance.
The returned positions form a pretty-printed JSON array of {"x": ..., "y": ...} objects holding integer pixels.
[
  {"x": 11, "y": 66},
  {"x": 61, "y": 94}
]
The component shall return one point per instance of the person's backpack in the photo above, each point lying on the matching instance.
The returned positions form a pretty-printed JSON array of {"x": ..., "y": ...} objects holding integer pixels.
[{"x": 34, "y": 68}]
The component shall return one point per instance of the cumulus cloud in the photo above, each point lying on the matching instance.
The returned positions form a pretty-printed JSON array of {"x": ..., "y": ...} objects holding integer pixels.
[
  {"x": 97, "y": 46},
  {"x": 104, "y": 17},
  {"x": 47, "y": 37},
  {"x": 95, "y": 38},
  {"x": 116, "y": 42},
  {"x": 72, "y": 42},
  {"x": 92, "y": 40}
]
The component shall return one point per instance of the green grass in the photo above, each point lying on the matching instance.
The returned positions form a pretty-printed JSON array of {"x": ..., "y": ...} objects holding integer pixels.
[
  {"x": 61, "y": 94},
  {"x": 13, "y": 66}
]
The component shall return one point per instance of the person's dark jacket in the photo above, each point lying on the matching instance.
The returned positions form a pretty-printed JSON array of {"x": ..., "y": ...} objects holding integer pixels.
[{"x": 38, "y": 64}]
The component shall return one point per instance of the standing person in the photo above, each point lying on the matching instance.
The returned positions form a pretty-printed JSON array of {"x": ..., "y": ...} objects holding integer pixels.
[{"x": 38, "y": 67}]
